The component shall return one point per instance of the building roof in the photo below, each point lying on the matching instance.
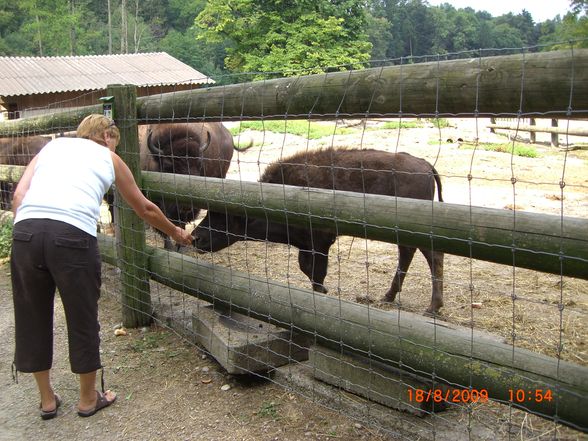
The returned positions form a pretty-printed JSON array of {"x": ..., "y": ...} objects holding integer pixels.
[{"x": 35, "y": 75}]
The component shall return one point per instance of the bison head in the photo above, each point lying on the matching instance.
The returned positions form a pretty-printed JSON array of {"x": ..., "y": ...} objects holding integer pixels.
[
  {"x": 178, "y": 151},
  {"x": 218, "y": 231}
]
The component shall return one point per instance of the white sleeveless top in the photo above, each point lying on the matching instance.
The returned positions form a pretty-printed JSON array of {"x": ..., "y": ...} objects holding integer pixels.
[{"x": 71, "y": 177}]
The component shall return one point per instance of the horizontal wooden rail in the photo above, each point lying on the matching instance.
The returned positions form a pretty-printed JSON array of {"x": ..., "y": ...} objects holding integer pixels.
[
  {"x": 549, "y": 243},
  {"x": 543, "y": 129}
]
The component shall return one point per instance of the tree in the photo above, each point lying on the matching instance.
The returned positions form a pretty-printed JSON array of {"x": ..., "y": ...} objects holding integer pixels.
[
  {"x": 572, "y": 28},
  {"x": 379, "y": 31},
  {"x": 579, "y": 6},
  {"x": 521, "y": 24},
  {"x": 286, "y": 35},
  {"x": 206, "y": 58}
]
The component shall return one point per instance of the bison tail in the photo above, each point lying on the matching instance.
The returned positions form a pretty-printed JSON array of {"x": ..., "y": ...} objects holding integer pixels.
[
  {"x": 244, "y": 148},
  {"x": 438, "y": 182}
]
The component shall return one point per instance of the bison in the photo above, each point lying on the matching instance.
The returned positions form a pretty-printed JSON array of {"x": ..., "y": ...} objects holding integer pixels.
[
  {"x": 365, "y": 171},
  {"x": 202, "y": 149},
  {"x": 17, "y": 151}
]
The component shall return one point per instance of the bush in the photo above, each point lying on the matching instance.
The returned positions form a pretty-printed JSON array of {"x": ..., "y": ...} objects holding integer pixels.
[{"x": 5, "y": 236}]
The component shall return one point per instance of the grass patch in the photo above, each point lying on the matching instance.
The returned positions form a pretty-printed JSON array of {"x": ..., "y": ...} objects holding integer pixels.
[
  {"x": 395, "y": 125},
  {"x": 5, "y": 236},
  {"x": 151, "y": 340},
  {"x": 308, "y": 130},
  {"x": 523, "y": 150},
  {"x": 440, "y": 123},
  {"x": 269, "y": 409}
]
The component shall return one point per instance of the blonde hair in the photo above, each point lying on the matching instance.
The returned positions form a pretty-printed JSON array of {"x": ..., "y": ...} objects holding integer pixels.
[{"x": 93, "y": 127}]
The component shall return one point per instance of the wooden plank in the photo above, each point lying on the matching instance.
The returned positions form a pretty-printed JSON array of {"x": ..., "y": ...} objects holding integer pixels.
[
  {"x": 542, "y": 242},
  {"x": 533, "y": 128},
  {"x": 57, "y": 122},
  {"x": 486, "y": 86}
]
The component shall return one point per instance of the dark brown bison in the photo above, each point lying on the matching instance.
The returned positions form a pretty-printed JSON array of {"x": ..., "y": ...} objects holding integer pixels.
[
  {"x": 17, "y": 151},
  {"x": 365, "y": 171},
  {"x": 202, "y": 149}
]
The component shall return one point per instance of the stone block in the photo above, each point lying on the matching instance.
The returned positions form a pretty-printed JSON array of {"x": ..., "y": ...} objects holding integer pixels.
[{"x": 245, "y": 345}]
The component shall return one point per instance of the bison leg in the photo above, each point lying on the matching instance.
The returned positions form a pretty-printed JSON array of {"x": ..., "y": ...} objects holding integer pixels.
[
  {"x": 314, "y": 264},
  {"x": 435, "y": 261},
  {"x": 405, "y": 255}
]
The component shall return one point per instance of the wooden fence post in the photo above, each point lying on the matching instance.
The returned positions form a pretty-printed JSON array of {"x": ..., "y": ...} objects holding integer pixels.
[
  {"x": 554, "y": 136},
  {"x": 532, "y": 135},
  {"x": 130, "y": 230}
]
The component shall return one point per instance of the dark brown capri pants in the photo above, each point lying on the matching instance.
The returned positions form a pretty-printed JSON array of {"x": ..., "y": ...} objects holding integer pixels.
[{"x": 47, "y": 254}]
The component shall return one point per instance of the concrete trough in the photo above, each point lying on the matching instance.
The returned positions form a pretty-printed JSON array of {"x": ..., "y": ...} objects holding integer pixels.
[{"x": 244, "y": 345}]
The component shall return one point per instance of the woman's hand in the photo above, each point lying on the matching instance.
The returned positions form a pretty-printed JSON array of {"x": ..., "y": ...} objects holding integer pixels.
[{"x": 181, "y": 236}]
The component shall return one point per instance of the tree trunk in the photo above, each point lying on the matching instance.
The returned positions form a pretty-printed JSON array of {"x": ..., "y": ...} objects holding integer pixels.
[
  {"x": 124, "y": 42},
  {"x": 40, "y": 40},
  {"x": 136, "y": 35},
  {"x": 109, "y": 28},
  {"x": 72, "y": 29}
]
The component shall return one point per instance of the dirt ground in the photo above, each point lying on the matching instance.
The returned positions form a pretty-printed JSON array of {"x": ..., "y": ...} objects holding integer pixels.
[
  {"x": 511, "y": 300},
  {"x": 170, "y": 389}
]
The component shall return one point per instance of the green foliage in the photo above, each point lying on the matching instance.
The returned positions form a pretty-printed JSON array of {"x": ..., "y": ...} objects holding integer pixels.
[
  {"x": 294, "y": 127},
  {"x": 269, "y": 409},
  {"x": 571, "y": 27},
  {"x": 516, "y": 149},
  {"x": 277, "y": 36},
  {"x": 5, "y": 236},
  {"x": 401, "y": 28},
  {"x": 149, "y": 340},
  {"x": 265, "y": 37},
  {"x": 394, "y": 125},
  {"x": 440, "y": 123},
  {"x": 579, "y": 6}
]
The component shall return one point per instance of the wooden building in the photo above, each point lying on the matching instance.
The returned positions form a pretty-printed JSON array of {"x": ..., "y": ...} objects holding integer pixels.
[{"x": 36, "y": 85}]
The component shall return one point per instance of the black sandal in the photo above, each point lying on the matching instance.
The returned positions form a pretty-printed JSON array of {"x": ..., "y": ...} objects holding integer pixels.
[
  {"x": 101, "y": 403},
  {"x": 50, "y": 414}
]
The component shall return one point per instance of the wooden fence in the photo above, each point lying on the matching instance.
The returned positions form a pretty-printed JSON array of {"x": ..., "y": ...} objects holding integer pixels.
[
  {"x": 513, "y": 125},
  {"x": 490, "y": 86}
]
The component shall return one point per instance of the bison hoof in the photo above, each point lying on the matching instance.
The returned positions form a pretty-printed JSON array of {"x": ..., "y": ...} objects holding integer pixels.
[
  {"x": 390, "y": 296},
  {"x": 365, "y": 300},
  {"x": 433, "y": 310},
  {"x": 320, "y": 288}
]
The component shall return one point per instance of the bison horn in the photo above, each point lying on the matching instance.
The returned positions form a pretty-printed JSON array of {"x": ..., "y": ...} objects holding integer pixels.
[
  {"x": 204, "y": 146},
  {"x": 152, "y": 148}
]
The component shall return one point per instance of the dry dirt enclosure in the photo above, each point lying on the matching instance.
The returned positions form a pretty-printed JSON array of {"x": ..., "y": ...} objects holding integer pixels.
[
  {"x": 171, "y": 390},
  {"x": 512, "y": 300}
]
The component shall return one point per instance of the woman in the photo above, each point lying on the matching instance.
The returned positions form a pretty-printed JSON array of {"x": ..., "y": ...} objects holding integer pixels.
[{"x": 56, "y": 206}]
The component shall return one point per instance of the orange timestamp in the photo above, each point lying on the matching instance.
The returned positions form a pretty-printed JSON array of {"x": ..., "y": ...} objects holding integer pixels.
[
  {"x": 450, "y": 395},
  {"x": 532, "y": 395},
  {"x": 453, "y": 395}
]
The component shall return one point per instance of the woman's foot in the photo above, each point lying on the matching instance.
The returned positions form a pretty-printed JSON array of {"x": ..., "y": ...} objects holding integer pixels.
[
  {"x": 52, "y": 412},
  {"x": 102, "y": 401}
]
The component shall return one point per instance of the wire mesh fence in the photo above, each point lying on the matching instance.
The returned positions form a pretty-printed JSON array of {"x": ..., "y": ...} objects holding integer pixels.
[{"x": 508, "y": 342}]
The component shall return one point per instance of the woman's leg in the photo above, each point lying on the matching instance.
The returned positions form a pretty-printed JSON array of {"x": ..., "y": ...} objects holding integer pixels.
[
  {"x": 48, "y": 398},
  {"x": 88, "y": 396}
]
